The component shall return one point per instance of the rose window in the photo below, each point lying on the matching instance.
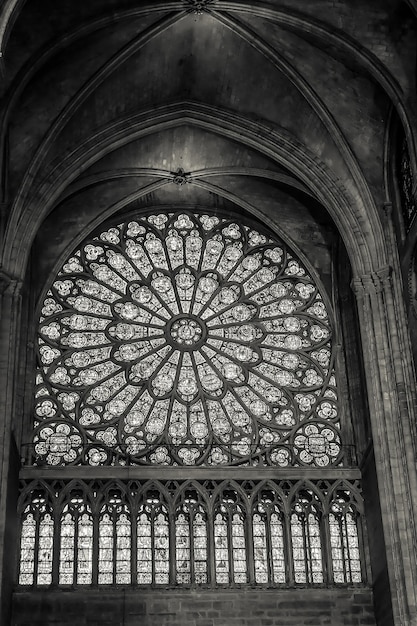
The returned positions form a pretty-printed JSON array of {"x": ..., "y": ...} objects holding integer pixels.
[{"x": 185, "y": 339}]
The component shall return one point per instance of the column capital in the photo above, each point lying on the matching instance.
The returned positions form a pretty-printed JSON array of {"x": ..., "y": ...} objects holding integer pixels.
[{"x": 372, "y": 283}]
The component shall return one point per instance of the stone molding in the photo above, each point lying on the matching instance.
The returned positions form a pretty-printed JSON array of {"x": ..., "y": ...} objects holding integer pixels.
[
  {"x": 372, "y": 283},
  {"x": 9, "y": 285},
  {"x": 388, "y": 369},
  {"x": 198, "y": 7}
]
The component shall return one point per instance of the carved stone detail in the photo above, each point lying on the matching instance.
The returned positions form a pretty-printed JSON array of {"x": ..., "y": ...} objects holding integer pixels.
[
  {"x": 372, "y": 283},
  {"x": 180, "y": 177},
  {"x": 198, "y": 6},
  {"x": 9, "y": 284}
]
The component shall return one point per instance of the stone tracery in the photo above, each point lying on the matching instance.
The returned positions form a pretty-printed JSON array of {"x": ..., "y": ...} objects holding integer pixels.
[{"x": 185, "y": 339}]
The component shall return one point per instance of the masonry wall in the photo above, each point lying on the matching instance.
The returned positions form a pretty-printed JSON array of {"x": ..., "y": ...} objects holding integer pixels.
[{"x": 284, "y": 607}]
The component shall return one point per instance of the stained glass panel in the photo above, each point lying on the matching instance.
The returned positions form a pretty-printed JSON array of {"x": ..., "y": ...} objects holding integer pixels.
[
  {"x": 145, "y": 555},
  {"x": 260, "y": 549},
  {"x": 306, "y": 548},
  {"x": 163, "y": 510},
  {"x": 182, "y": 549},
  {"x": 161, "y": 557},
  {"x": 344, "y": 545},
  {"x": 45, "y": 550},
  {"x": 200, "y": 548},
  {"x": 66, "y": 556},
  {"x": 85, "y": 550},
  {"x": 185, "y": 339},
  {"x": 27, "y": 550},
  {"x": 105, "y": 550},
  {"x": 277, "y": 548},
  {"x": 239, "y": 549},
  {"x": 221, "y": 549},
  {"x": 153, "y": 544},
  {"x": 123, "y": 549}
]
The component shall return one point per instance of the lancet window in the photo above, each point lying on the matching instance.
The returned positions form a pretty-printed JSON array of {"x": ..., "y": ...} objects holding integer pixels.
[
  {"x": 306, "y": 539},
  {"x": 267, "y": 534},
  {"x": 76, "y": 542},
  {"x": 153, "y": 541},
  {"x": 268, "y": 538},
  {"x": 36, "y": 548}
]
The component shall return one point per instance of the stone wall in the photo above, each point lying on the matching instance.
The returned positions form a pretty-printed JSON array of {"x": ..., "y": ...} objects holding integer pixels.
[{"x": 244, "y": 607}]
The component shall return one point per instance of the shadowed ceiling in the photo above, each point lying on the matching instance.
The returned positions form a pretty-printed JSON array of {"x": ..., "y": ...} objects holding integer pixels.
[{"x": 278, "y": 108}]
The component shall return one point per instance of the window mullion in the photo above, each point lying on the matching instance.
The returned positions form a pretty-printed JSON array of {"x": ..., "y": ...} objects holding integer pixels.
[
  {"x": 306, "y": 546},
  {"x": 76, "y": 548},
  {"x": 36, "y": 547},
  {"x": 191, "y": 519},
  {"x": 56, "y": 551},
  {"x": 113, "y": 517},
  {"x": 327, "y": 557},
  {"x": 347, "y": 566},
  {"x": 288, "y": 547},
  {"x": 172, "y": 548},
  {"x": 211, "y": 566},
  {"x": 268, "y": 537},
  {"x": 230, "y": 546},
  {"x": 134, "y": 516},
  {"x": 153, "y": 518},
  {"x": 96, "y": 543},
  {"x": 249, "y": 547}
]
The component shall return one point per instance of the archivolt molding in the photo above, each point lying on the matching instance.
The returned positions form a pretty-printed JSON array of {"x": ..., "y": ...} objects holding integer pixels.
[
  {"x": 310, "y": 96},
  {"x": 360, "y": 228},
  {"x": 242, "y": 31},
  {"x": 253, "y": 40},
  {"x": 8, "y": 15},
  {"x": 107, "y": 69},
  {"x": 364, "y": 241}
]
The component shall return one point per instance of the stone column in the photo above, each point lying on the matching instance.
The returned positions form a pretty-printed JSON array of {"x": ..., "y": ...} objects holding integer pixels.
[
  {"x": 10, "y": 306},
  {"x": 391, "y": 397}
]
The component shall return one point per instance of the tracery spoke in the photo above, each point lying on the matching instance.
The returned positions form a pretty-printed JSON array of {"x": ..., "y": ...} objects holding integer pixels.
[{"x": 188, "y": 315}]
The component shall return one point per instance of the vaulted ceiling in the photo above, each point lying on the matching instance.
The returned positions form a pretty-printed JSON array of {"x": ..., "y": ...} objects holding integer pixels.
[{"x": 277, "y": 108}]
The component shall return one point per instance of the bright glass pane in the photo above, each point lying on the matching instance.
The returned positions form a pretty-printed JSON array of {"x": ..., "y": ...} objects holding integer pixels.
[
  {"x": 105, "y": 550},
  {"x": 277, "y": 549},
  {"x": 45, "y": 550},
  {"x": 345, "y": 548},
  {"x": 123, "y": 550},
  {"x": 221, "y": 550},
  {"x": 85, "y": 550},
  {"x": 161, "y": 549},
  {"x": 182, "y": 549},
  {"x": 66, "y": 556},
  {"x": 27, "y": 550},
  {"x": 200, "y": 548},
  {"x": 144, "y": 548},
  {"x": 239, "y": 549}
]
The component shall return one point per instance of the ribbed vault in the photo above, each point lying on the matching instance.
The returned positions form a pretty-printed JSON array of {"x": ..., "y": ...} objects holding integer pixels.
[{"x": 94, "y": 87}]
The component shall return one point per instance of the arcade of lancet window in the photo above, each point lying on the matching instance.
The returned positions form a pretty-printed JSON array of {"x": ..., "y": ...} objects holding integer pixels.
[{"x": 187, "y": 339}]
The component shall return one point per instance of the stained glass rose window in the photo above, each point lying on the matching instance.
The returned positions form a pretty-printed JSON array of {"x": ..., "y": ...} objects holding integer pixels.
[{"x": 185, "y": 339}]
